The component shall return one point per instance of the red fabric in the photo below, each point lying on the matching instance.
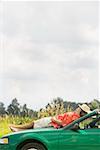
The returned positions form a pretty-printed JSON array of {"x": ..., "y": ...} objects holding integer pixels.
[{"x": 66, "y": 119}]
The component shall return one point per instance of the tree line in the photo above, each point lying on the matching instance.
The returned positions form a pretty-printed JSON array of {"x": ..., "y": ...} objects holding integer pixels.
[
  {"x": 55, "y": 107},
  {"x": 15, "y": 109}
]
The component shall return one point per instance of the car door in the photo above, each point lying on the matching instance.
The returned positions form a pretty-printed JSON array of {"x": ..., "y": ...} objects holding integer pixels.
[{"x": 87, "y": 139}]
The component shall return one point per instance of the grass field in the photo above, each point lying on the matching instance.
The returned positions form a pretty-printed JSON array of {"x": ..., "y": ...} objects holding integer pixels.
[
  {"x": 4, "y": 126},
  {"x": 5, "y": 121}
]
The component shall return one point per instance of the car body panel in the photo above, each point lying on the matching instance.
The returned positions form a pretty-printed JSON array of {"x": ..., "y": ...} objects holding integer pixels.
[
  {"x": 48, "y": 136},
  {"x": 80, "y": 140}
]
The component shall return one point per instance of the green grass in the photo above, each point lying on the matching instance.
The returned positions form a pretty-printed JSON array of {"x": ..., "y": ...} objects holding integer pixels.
[
  {"x": 4, "y": 127},
  {"x": 5, "y": 121}
]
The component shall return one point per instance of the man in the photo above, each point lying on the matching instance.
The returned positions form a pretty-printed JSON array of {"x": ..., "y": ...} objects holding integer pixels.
[{"x": 56, "y": 121}]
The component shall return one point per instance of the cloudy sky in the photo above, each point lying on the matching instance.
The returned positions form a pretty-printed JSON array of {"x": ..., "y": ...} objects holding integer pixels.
[{"x": 48, "y": 50}]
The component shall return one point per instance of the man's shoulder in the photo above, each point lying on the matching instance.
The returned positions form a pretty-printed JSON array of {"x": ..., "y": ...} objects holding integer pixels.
[{"x": 72, "y": 113}]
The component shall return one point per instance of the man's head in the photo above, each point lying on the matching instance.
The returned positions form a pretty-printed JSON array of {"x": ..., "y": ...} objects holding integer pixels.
[{"x": 83, "y": 109}]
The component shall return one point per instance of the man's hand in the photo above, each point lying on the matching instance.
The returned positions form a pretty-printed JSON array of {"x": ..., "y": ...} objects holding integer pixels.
[
  {"x": 99, "y": 126},
  {"x": 98, "y": 111},
  {"x": 54, "y": 119}
]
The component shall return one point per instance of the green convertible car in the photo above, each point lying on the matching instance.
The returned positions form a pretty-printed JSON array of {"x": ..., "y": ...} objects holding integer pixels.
[{"x": 82, "y": 134}]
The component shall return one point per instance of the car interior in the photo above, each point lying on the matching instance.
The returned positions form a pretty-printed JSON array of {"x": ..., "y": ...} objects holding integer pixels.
[{"x": 93, "y": 122}]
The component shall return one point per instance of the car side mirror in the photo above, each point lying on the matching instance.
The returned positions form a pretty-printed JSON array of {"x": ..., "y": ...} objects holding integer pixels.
[{"x": 75, "y": 127}]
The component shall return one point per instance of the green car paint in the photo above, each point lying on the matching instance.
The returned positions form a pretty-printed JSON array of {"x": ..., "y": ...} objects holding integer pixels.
[
  {"x": 58, "y": 139},
  {"x": 85, "y": 140}
]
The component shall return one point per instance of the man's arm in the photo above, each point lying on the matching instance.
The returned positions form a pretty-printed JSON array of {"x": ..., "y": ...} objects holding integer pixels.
[{"x": 54, "y": 119}]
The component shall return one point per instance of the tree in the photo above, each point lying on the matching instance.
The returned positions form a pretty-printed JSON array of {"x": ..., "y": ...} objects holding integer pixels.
[
  {"x": 14, "y": 108},
  {"x": 95, "y": 104},
  {"x": 32, "y": 113},
  {"x": 24, "y": 111},
  {"x": 2, "y": 109}
]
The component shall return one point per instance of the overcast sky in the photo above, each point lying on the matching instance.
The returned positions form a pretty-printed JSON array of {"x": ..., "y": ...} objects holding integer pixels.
[{"x": 48, "y": 50}]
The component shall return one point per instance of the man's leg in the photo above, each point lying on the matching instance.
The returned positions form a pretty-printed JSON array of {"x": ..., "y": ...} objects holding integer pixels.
[
  {"x": 42, "y": 123},
  {"x": 21, "y": 127}
]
